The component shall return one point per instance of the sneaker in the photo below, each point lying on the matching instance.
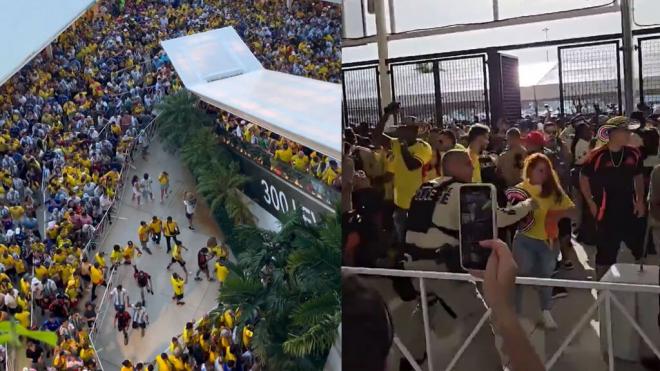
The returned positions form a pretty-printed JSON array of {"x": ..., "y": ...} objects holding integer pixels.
[
  {"x": 547, "y": 320},
  {"x": 559, "y": 292},
  {"x": 198, "y": 278},
  {"x": 191, "y": 228}
]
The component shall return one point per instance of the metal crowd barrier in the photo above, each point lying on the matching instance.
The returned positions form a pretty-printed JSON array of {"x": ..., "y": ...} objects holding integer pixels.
[{"x": 605, "y": 297}]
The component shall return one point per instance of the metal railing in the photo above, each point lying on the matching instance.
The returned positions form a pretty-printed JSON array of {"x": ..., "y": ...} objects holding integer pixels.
[{"x": 605, "y": 297}]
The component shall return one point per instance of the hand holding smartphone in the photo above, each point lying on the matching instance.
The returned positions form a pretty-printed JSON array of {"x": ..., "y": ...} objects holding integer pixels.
[{"x": 477, "y": 223}]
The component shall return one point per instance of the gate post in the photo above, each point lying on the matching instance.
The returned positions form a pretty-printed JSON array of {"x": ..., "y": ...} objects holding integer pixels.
[
  {"x": 627, "y": 36},
  {"x": 438, "y": 94},
  {"x": 495, "y": 82}
]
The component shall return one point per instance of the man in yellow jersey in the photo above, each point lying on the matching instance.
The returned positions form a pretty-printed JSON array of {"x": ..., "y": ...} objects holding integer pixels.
[
  {"x": 300, "y": 161},
  {"x": 163, "y": 362},
  {"x": 96, "y": 274},
  {"x": 330, "y": 173},
  {"x": 477, "y": 143},
  {"x": 143, "y": 233},
  {"x": 284, "y": 154},
  {"x": 156, "y": 228},
  {"x": 126, "y": 366},
  {"x": 164, "y": 182},
  {"x": 221, "y": 271},
  {"x": 170, "y": 230},
  {"x": 178, "y": 258},
  {"x": 177, "y": 286},
  {"x": 409, "y": 155}
]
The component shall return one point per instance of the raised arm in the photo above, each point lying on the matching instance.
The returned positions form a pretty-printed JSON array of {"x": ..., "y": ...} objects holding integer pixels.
[{"x": 391, "y": 109}]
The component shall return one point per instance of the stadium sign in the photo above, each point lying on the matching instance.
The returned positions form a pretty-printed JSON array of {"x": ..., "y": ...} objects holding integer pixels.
[{"x": 276, "y": 195}]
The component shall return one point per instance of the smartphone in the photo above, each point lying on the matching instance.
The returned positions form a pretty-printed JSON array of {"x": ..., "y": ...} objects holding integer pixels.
[{"x": 477, "y": 223}]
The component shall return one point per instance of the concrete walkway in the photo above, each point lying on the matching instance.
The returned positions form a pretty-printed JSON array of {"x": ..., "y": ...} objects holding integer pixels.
[{"x": 167, "y": 318}]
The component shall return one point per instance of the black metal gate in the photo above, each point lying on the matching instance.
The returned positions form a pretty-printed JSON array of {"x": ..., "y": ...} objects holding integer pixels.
[
  {"x": 589, "y": 75},
  {"x": 649, "y": 69},
  {"x": 361, "y": 95},
  {"x": 442, "y": 90}
]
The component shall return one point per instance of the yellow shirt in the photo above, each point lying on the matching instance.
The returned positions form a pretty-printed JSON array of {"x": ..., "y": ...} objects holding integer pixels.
[
  {"x": 163, "y": 365},
  {"x": 545, "y": 204},
  {"x": 115, "y": 256},
  {"x": 406, "y": 182},
  {"x": 169, "y": 228},
  {"x": 163, "y": 179},
  {"x": 300, "y": 163},
  {"x": 476, "y": 167},
  {"x": 221, "y": 272},
  {"x": 156, "y": 226},
  {"x": 124, "y": 368},
  {"x": 176, "y": 252},
  {"x": 86, "y": 354},
  {"x": 247, "y": 336},
  {"x": 177, "y": 363},
  {"x": 99, "y": 260},
  {"x": 96, "y": 275},
  {"x": 329, "y": 176},
  {"x": 284, "y": 155},
  {"x": 177, "y": 285},
  {"x": 23, "y": 318},
  {"x": 40, "y": 272},
  {"x": 143, "y": 233}
]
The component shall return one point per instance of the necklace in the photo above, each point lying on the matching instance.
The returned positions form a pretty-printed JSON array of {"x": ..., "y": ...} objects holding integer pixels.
[{"x": 620, "y": 160}]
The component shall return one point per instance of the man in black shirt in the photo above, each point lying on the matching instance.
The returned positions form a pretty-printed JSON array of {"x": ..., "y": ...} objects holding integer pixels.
[
  {"x": 34, "y": 353},
  {"x": 612, "y": 183}
]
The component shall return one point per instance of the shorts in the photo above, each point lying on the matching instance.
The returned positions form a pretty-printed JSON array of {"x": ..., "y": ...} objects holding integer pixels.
[
  {"x": 189, "y": 216},
  {"x": 178, "y": 297},
  {"x": 610, "y": 235},
  {"x": 122, "y": 328},
  {"x": 86, "y": 278},
  {"x": 565, "y": 226},
  {"x": 164, "y": 187},
  {"x": 178, "y": 261},
  {"x": 139, "y": 325}
]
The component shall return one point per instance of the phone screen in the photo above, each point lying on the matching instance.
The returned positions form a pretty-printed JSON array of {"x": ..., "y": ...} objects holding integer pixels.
[{"x": 476, "y": 225}]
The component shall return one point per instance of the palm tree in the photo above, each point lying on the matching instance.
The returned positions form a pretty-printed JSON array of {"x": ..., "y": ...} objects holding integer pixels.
[
  {"x": 298, "y": 313},
  {"x": 220, "y": 184},
  {"x": 179, "y": 117}
]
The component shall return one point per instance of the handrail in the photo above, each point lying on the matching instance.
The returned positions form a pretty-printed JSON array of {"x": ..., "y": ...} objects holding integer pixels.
[
  {"x": 100, "y": 317},
  {"x": 605, "y": 296}
]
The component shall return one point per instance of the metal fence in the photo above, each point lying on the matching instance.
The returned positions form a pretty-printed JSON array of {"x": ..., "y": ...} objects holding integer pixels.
[
  {"x": 589, "y": 75},
  {"x": 361, "y": 95},
  {"x": 442, "y": 90},
  {"x": 649, "y": 69},
  {"x": 606, "y": 299}
]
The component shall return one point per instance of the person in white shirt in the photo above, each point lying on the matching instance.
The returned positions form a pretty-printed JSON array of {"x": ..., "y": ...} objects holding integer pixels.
[
  {"x": 120, "y": 298},
  {"x": 140, "y": 317},
  {"x": 190, "y": 203}
]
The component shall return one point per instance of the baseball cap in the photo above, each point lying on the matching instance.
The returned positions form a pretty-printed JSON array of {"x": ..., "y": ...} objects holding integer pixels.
[
  {"x": 622, "y": 122},
  {"x": 535, "y": 138}
]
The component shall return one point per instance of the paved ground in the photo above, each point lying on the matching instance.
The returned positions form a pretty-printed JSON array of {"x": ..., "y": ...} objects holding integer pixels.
[
  {"x": 167, "y": 319},
  {"x": 583, "y": 352}
]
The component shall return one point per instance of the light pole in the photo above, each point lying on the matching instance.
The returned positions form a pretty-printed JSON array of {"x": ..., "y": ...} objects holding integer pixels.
[{"x": 547, "y": 55}]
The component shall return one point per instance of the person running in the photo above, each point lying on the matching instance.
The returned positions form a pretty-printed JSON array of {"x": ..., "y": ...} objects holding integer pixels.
[
  {"x": 137, "y": 191},
  {"x": 143, "y": 280},
  {"x": 221, "y": 271},
  {"x": 190, "y": 203},
  {"x": 171, "y": 230},
  {"x": 143, "y": 234},
  {"x": 129, "y": 252},
  {"x": 156, "y": 229},
  {"x": 123, "y": 321},
  {"x": 164, "y": 181},
  {"x": 146, "y": 185},
  {"x": 96, "y": 273},
  {"x": 203, "y": 257},
  {"x": 178, "y": 258},
  {"x": 177, "y": 287},
  {"x": 120, "y": 298},
  {"x": 115, "y": 257},
  {"x": 140, "y": 317}
]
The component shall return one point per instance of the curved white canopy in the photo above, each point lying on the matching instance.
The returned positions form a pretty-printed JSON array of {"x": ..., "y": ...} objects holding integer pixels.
[
  {"x": 28, "y": 26},
  {"x": 218, "y": 67}
]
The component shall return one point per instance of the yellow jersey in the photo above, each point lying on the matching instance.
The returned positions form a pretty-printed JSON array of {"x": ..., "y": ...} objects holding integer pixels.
[
  {"x": 284, "y": 155},
  {"x": 177, "y": 285},
  {"x": 156, "y": 226},
  {"x": 476, "y": 166},
  {"x": 300, "y": 163},
  {"x": 96, "y": 275},
  {"x": 538, "y": 228},
  {"x": 221, "y": 272},
  {"x": 406, "y": 182}
]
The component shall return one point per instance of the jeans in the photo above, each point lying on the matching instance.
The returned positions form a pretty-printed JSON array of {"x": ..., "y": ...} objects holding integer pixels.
[{"x": 535, "y": 258}]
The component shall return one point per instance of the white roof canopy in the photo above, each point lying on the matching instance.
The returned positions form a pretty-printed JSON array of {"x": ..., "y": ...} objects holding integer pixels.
[
  {"x": 28, "y": 26},
  {"x": 218, "y": 67}
]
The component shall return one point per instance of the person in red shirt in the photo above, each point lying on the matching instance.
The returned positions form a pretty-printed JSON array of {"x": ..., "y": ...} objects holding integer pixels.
[{"x": 122, "y": 321}]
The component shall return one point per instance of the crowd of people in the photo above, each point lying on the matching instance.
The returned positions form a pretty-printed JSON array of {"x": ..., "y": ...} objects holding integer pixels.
[
  {"x": 281, "y": 151},
  {"x": 73, "y": 116},
  {"x": 558, "y": 180}
]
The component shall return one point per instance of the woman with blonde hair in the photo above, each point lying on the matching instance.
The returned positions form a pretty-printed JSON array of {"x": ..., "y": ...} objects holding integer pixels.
[{"x": 533, "y": 245}]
